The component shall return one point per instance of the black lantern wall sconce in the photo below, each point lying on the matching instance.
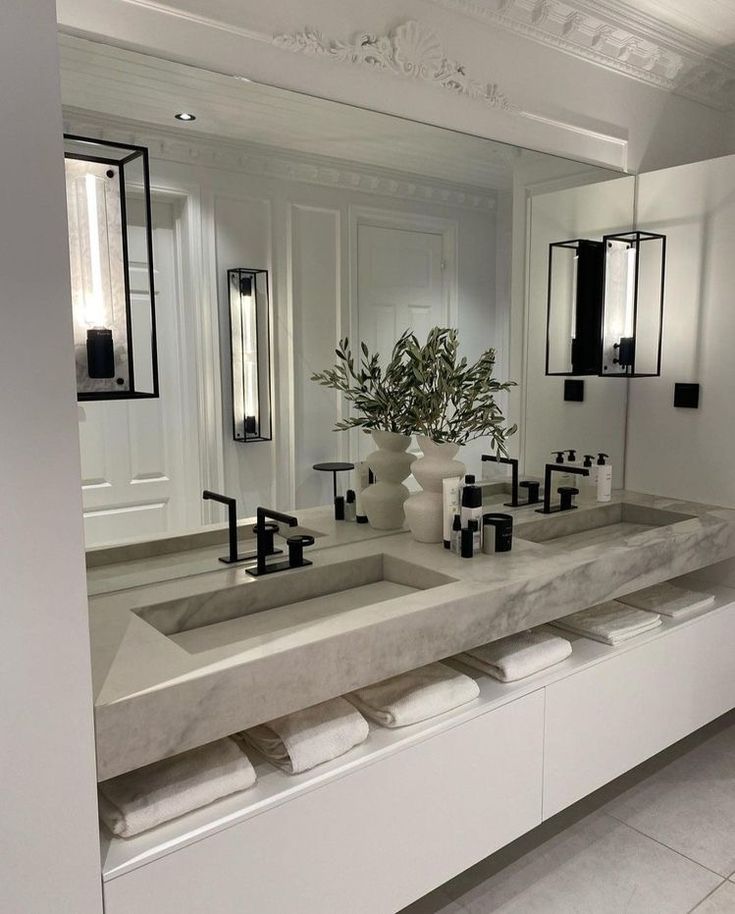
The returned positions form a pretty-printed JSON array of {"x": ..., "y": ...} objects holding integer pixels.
[
  {"x": 605, "y": 306},
  {"x": 111, "y": 259},
  {"x": 249, "y": 305}
]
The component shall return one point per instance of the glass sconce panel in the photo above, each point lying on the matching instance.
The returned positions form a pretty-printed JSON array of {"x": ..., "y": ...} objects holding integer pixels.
[
  {"x": 635, "y": 265},
  {"x": 574, "y": 314},
  {"x": 112, "y": 292},
  {"x": 249, "y": 308}
]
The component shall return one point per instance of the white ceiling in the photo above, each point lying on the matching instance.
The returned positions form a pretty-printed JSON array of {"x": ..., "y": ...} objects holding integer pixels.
[
  {"x": 712, "y": 21},
  {"x": 132, "y": 86}
]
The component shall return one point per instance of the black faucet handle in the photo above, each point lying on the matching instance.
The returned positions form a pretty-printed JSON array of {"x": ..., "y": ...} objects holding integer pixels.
[
  {"x": 566, "y": 496},
  {"x": 270, "y": 528},
  {"x": 296, "y": 545},
  {"x": 533, "y": 488}
]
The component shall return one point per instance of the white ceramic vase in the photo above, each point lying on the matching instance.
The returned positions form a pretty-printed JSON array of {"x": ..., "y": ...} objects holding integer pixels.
[
  {"x": 383, "y": 500},
  {"x": 424, "y": 509}
]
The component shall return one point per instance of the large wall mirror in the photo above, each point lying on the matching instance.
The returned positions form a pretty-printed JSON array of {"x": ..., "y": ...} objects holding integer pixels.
[{"x": 367, "y": 224}]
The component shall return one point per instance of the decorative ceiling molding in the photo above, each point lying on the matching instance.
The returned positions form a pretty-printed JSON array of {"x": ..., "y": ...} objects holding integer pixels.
[
  {"x": 410, "y": 50},
  {"x": 268, "y": 162},
  {"x": 617, "y": 36}
]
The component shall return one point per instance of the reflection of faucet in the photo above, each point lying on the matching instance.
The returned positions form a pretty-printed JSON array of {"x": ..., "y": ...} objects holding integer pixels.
[
  {"x": 231, "y": 504},
  {"x": 295, "y": 543},
  {"x": 567, "y": 493},
  {"x": 532, "y": 487}
]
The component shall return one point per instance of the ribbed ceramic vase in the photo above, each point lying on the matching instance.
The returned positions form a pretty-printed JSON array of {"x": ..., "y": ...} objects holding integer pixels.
[
  {"x": 383, "y": 500},
  {"x": 424, "y": 509}
]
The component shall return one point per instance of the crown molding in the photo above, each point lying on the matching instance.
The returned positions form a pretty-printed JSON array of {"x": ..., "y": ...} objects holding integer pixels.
[
  {"x": 269, "y": 162},
  {"x": 411, "y": 50},
  {"x": 618, "y": 37}
]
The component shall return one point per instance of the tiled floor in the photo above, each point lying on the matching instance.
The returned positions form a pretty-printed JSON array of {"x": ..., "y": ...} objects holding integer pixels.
[{"x": 659, "y": 840}]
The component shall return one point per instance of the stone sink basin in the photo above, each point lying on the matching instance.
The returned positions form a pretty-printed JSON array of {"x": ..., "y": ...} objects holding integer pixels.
[
  {"x": 609, "y": 524},
  {"x": 261, "y": 608}
]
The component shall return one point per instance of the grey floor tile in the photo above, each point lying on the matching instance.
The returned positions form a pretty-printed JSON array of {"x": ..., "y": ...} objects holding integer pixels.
[
  {"x": 434, "y": 903},
  {"x": 721, "y": 901},
  {"x": 595, "y": 865},
  {"x": 689, "y": 803}
]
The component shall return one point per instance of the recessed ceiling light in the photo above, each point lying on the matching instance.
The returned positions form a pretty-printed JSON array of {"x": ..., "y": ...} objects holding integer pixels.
[{"x": 185, "y": 116}]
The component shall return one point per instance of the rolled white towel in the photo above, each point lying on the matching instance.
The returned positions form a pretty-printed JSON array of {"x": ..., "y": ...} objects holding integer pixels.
[
  {"x": 138, "y": 800},
  {"x": 518, "y": 656},
  {"x": 669, "y": 600},
  {"x": 414, "y": 696},
  {"x": 609, "y": 622},
  {"x": 299, "y": 741}
]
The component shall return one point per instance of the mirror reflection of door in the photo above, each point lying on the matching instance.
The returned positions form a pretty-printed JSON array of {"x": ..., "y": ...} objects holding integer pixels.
[
  {"x": 137, "y": 473},
  {"x": 400, "y": 285}
]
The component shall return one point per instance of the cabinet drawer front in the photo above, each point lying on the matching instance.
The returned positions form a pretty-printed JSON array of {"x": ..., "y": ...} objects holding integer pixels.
[
  {"x": 605, "y": 720},
  {"x": 369, "y": 842}
]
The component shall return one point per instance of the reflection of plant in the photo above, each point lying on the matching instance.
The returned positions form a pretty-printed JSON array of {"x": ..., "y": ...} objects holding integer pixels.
[
  {"x": 378, "y": 396},
  {"x": 424, "y": 389},
  {"x": 452, "y": 401}
]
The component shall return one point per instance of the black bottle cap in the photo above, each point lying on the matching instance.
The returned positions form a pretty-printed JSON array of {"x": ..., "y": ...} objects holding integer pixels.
[
  {"x": 473, "y": 525},
  {"x": 466, "y": 549},
  {"x": 457, "y": 522},
  {"x": 559, "y": 456},
  {"x": 601, "y": 459},
  {"x": 350, "y": 497},
  {"x": 572, "y": 455},
  {"x": 588, "y": 458},
  {"x": 471, "y": 496}
]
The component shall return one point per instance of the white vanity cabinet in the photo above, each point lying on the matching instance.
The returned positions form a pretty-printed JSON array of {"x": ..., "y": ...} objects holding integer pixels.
[
  {"x": 369, "y": 842},
  {"x": 606, "y": 719}
]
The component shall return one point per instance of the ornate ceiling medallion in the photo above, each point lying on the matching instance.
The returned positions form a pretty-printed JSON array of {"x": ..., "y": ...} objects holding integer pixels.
[{"x": 411, "y": 50}]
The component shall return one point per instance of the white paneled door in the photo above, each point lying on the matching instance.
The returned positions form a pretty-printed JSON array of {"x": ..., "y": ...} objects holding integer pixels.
[
  {"x": 135, "y": 481},
  {"x": 400, "y": 286}
]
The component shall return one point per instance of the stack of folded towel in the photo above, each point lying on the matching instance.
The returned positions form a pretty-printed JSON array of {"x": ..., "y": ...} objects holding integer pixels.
[
  {"x": 415, "y": 696},
  {"x": 299, "y": 741},
  {"x": 518, "y": 656},
  {"x": 669, "y": 600},
  {"x": 609, "y": 622},
  {"x": 142, "y": 799}
]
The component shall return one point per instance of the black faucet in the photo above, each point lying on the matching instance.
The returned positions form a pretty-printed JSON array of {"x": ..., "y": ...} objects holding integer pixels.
[
  {"x": 567, "y": 493},
  {"x": 532, "y": 487},
  {"x": 295, "y": 543},
  {"x": 231, "y": 504}
]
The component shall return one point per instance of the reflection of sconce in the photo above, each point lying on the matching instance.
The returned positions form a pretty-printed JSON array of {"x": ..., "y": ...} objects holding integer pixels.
[
  {"x": 605, "y": 306},
  {"x": 109, "y": 213},
  {"x": 250, "y": 350}
]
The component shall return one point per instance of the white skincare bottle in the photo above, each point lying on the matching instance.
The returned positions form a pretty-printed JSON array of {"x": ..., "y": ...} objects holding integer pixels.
[
  {"x": 590, "y": 482},
  {"x": 450, "y": 506},
  {"x": 604, "y": 478}
]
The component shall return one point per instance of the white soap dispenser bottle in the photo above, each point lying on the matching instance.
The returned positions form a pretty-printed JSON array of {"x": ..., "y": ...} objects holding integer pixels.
[
  {"x": 590, "y": 482},
  {"x": 604, "y": 478}
]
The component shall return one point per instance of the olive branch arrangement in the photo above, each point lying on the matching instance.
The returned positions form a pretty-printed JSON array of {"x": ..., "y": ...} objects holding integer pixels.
[{"x": 427, "y": 389}]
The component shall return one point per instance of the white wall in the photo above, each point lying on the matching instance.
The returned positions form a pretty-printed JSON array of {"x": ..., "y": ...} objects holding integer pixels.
[
  {"x": 49, "y": 851},
  {"x": 685, "y": 452},
  {"x": 598, "y": 423},
  {"x": 577, "y": 109}
]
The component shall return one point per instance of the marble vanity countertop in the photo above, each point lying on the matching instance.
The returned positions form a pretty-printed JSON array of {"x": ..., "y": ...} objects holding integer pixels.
[{"x": 158, "y": 694}]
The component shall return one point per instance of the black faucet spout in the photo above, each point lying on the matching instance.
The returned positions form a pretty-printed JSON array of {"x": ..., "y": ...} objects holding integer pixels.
[
  {"x": 261, "y": 533},
  {"x": 513, "y": 464},
  {"x": 231, "y": 504},
  {"x": 566, "y": 503}
]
